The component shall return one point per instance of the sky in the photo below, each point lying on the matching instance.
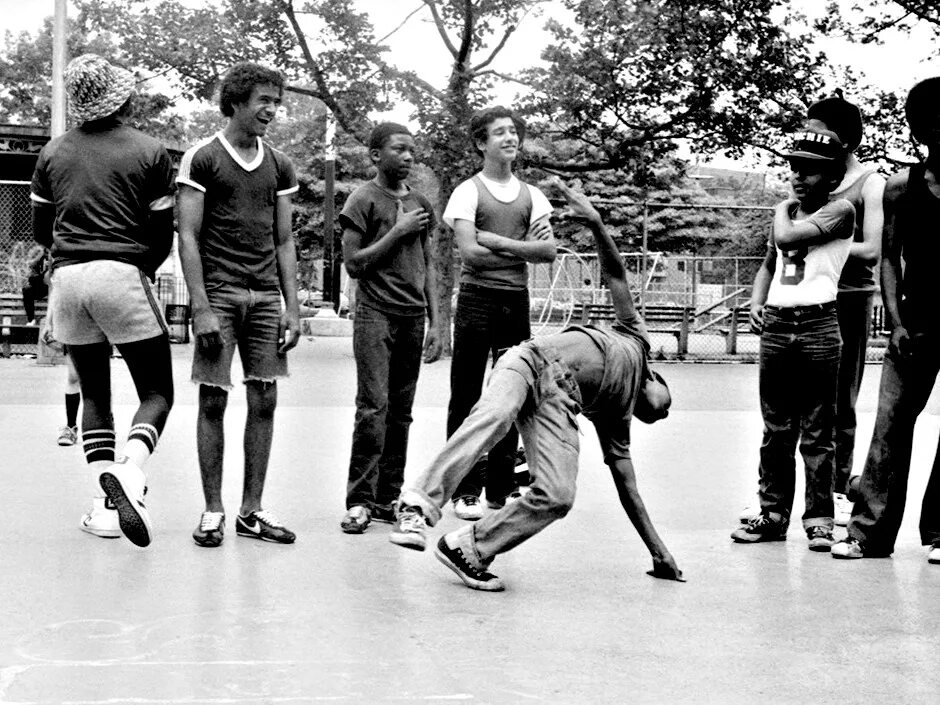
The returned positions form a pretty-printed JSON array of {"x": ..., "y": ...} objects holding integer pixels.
[{"x": 895, "y": 66}]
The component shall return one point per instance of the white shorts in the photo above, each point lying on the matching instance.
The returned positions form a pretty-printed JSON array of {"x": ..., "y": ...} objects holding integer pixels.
[{"x": 103, "y": 300}]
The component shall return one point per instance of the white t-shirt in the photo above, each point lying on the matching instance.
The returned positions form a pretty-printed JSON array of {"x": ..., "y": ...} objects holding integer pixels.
[
  {"x": 809, "y": 275},
  {"x": 463, "y": 201}
]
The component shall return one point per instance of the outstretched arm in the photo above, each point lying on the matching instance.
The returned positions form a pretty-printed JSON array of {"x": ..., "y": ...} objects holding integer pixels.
[
  {"x": 612, "y": 267},
  {"x": 664, "y": 565}
]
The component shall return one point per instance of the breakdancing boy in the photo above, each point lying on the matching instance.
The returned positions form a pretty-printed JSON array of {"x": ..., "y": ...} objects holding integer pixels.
[{"x": 541, "y": 386}]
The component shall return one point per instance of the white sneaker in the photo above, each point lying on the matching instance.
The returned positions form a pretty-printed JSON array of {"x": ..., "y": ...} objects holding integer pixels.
[
  {"x": 123, "y": 483},
  {"x": 843, "y": 509},
  {"x": 68, "y": 436},
  {"x": 933, "y": 556},
  {"x": 750, "y": 513},
  {"x": 102, "y": 520},
  {"x": 468, "y": 508}
]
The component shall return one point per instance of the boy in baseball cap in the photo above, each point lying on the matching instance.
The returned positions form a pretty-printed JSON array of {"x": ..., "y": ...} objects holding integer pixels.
[{"x": 800, "y": 344}]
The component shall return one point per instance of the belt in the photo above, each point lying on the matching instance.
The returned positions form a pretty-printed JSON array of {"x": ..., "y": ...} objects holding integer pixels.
[{"x": 797, "y": 312}]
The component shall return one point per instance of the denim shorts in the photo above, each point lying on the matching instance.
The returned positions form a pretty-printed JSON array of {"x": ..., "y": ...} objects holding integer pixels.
[
  {"x": 103, "y": 300},
  {"x": 251, "y": 321}
]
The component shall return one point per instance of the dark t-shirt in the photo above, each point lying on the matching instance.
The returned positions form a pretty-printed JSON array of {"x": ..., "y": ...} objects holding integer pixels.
[
  {"x": 236, "y": 241},
  {"x": 103, "y": 178},
  {"x": 397, "y": 286},
  {"x": 624, "y": 348}
]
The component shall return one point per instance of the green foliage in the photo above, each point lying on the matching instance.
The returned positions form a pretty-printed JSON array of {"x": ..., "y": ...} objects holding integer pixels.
[{"x": 633, "y": 76}]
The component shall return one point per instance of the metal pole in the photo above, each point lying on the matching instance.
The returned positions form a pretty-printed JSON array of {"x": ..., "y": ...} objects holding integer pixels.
[
  {"x": 59, "y": 36},
  {"x": 330, "y": 288},
  {"x": 643, "y": 255}
]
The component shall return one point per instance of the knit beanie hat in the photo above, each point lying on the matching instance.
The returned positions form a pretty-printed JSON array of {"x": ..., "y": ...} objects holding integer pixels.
[{"x": 96, "y": 88}]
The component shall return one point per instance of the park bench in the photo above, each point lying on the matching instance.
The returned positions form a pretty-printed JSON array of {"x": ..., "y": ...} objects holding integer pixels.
[
  {"x": 13, "y": 329},
  {"x": 659, "y": 318}
]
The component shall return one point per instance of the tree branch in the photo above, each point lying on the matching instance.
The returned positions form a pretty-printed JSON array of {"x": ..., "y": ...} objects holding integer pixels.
[
  {"x": 441, "y": 28},
  {"x": 505, "y": 77},
  {"x": 499, "y": 47},
  {"x": 403, "y": 22},
  {"x": 324, "y": 92}
]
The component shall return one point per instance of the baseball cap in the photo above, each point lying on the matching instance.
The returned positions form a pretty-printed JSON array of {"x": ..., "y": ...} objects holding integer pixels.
[
  {"x": 95, "y": 87},
  {"x": 820, "y": 145},
  {"x": 841, "y": 116}
]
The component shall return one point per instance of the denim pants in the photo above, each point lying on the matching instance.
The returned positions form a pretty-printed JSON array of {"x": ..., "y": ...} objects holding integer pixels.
[
  {"x": 487, "y": 321},
  {"x": 533, "y": 389},
  {"x": 388, "y": 351},
  {"x": 905, "y": 387},
  {"x": 854, "y": 325},
  {"x": 799, "y": 368}
]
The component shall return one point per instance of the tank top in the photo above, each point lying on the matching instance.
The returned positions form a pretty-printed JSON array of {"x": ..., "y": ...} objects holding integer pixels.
[
  {"x": 916, "y": 222},
  {"x": 509, "y": 220},
  {"x": 856, "y": 275}
]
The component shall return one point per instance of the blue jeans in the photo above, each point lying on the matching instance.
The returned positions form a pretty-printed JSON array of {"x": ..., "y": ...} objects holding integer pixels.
[
  {"x": 487, "y": 321},
  {"x": 854, "y": 325},
  {"x": 251, "y": 321},
  {"x": 905, "y": 387},
  {"x": 388, "y": 350},
  {"x": 799, "y": 368},
  {"x": 532, "y": 389}
]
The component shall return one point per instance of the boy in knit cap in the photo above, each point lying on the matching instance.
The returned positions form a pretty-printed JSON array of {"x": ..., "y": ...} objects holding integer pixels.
[{"x": 102, "y": 198}]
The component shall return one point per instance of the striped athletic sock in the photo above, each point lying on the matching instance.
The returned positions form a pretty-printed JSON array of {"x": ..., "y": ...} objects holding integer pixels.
[
  {"x": 141, "y": 441},
  {"x": 98, "y": 444}
]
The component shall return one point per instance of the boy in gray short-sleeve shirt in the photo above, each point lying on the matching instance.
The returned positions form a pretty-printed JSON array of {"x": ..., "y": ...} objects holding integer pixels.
[{"x": 541, "y": 386}]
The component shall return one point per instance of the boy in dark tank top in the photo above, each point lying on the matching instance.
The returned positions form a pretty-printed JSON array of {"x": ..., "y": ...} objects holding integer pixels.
[{"x": 911, "y": 248}]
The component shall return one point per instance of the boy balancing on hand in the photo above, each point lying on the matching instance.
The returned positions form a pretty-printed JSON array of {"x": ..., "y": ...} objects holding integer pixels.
[{"x": 541, "y": 386}]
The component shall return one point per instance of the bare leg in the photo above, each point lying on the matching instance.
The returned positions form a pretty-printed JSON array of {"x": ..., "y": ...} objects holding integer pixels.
[
  {"x": 259, "y": 431},
  {"x": 210, "y": 442}
]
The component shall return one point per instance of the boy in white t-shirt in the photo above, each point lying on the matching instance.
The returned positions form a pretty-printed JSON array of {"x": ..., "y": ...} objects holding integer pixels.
[
  {"x": 800, "y": 345},
  {"x": 500, "y": 225}
]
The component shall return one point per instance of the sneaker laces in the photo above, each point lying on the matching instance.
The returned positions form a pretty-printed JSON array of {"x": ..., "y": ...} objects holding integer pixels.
[
  {"x": 267, "y": 517},
  {"x": 411, "y": 521},
  {"x": 819, "y": 532},
  {"x": 760, "y": 521},
  {"x": 470, "y": 500},
  {"x": 211, "y": 521}
]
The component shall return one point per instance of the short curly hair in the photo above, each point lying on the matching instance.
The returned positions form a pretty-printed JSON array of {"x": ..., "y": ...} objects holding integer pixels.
[
  {"x": 240, "y": 80},
  {"x": 480, "y": 123}
]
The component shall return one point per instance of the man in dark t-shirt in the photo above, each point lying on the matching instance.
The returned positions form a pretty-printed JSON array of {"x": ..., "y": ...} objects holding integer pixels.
[
  {"x": 541, "y": 386},
  {"x": 102, "y": 198},
  {"x": 910, "y": 251},
  {"x": 238, "y": 257},
  {"x": 387, "y": 250}
]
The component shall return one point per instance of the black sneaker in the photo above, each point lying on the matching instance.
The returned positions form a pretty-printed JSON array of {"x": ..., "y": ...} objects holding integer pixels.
[
  {"x": 763, "y": 528},
  {"x": 820, "y": 539},
  {"x": 473, "y": 576},
  {"x": 262, "y": 524},
  {"x": 211, "y": 530}
]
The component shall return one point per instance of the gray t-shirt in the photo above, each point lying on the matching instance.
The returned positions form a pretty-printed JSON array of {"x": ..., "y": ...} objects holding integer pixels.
[
  {"x": 397, "y": 286},
  {"x": 624, "y": 347}
]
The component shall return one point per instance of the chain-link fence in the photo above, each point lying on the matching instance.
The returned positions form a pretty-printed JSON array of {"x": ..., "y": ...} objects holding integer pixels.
[
  {"x": 16, "y": 235},
  {"x": 695, "y": 307}
]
